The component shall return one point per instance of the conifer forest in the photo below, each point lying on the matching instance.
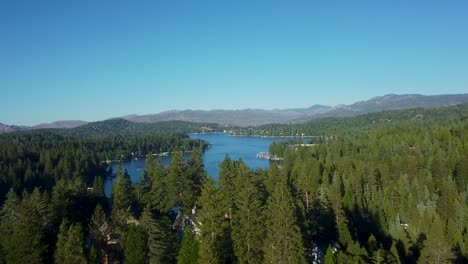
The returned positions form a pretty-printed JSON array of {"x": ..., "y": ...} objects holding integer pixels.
[{"x": 387, "y": 187}]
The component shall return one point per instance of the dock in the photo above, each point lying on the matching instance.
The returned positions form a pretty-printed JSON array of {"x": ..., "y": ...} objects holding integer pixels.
[{"x": 267, "y": 156}]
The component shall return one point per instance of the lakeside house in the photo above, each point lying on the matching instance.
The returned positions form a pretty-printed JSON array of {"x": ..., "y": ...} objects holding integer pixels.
[{"x": 183, "y": 220}]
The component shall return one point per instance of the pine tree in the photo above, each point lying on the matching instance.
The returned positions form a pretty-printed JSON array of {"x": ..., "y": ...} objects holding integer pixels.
[
  {"x": 26, "y": 243},
  {"x": 283, "y": 242},
  {"x": 93, "y": 257},
  {"x": 189, "y": 248},
  {"x": 247, "y": 227},
  {"x": 60, "y": 251},
  {"x": 161, "y": 240},
  {"x": 157, "y": 196},
  {"x": 141, "y": 190},
  {"x": 70, "y": 244},
  {"x": 8, "y": 217},
  {"x": 329, "y": 257},
  {"x": 215, "y": 243},
  {"x": 436, "y": 249},
  {"x": 122, "y": 197},
  {"x": 98, "y": 186},
  {"x": 179, "y": 187},
  {"x": 122, "y": 190},
  {"x": 227, "y": 174},
  {"x": 135, "y": 246},
  {"x": 99, "y": 229},
  {"x": 196, "y": 173}
]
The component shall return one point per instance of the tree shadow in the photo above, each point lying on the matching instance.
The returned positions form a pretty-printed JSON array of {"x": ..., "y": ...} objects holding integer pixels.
[
  {"x": 459, "y": 257},
  {"x": 321, "y": 222},
  {"x": 363, "y": 224}
]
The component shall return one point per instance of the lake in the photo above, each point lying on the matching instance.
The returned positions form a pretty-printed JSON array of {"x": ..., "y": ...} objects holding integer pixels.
[{"x": 244, "y": 148}]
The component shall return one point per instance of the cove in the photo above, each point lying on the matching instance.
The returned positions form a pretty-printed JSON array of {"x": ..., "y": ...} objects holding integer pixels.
[{"x": 221, "y": 144}]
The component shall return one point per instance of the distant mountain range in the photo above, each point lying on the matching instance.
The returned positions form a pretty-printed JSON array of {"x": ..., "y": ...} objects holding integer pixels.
[
  {"x": 397, "y": 102},
  {"x": 245, "y": 117},
  {"x": 61, "y": 124},
  {"x": 54, "y": 125},
  {"x": 256, "y": 117}
]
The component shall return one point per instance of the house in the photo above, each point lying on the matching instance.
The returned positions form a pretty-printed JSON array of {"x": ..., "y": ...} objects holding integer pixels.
[{"x": 190, "y": 220}]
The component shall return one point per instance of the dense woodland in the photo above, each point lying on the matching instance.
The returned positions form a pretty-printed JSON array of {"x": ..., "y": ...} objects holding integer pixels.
[
  {"x": 388, "y": 187},
  {"x": 41, "y": 158}
]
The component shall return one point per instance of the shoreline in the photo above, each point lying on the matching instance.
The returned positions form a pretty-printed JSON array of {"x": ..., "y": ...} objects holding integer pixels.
[{"x": 259, "y": 136}]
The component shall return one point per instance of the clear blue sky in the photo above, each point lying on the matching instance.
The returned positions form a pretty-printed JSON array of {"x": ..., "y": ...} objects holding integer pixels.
[{"x": 93, "y": 60}]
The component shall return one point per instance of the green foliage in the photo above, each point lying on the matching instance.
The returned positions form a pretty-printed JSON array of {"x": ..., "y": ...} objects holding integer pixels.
[
  {"x": 196, "y": 174},
  {"x": 24, "y": 228},
  {"x": 70, "y": 245},
  {"x": 329, "y": 257},
  {"x": 247, "y": 224},
  {"x": 215, "y": 243},
  {"x": 8, "y": 216},
  {"x": 387, "y": 187},
  {"x": 156, "y": 198},
  {"x": 179, "y": 186},
  {"x": 283, "y": 242},
  {"x": 99, "y": 230},
  {"x": 123, "y": 197},
  {"x": 42, "y": 157},
  {"x": 93, "y": 256},
  {"x": 135, "y": 246},
  {"x": 161, "y": 246},
  {"x": 436, "y": 249},
  {"x": 189, "y": 248}
]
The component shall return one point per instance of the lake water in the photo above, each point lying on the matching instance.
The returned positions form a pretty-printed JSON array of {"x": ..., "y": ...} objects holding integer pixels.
[{"x": 244, "y": 148}]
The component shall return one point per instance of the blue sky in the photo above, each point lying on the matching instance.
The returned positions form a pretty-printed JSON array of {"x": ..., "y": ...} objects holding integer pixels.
[{"x": 93, "y": 60}]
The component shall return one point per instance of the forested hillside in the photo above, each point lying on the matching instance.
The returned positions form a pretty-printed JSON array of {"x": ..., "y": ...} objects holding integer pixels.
[
  {"x": 385, "y": 188},
  {"x": 40, "y": 158},
  {"x": 360, "y": 124},
  {"x": 390, "y": 187}
]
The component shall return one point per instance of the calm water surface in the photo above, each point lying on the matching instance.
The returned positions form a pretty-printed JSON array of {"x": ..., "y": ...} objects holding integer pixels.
[{"x": 221, "y": 144}]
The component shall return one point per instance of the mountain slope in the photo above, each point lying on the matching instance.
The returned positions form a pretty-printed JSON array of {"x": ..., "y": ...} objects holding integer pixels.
[
  {"x": 257, "y": 117},
  {"x": 245, "y": 117},
  {"x": 61, "y": 124},
  {"x": 6, "y": 129},
  {"x": 397, "y": 102}
]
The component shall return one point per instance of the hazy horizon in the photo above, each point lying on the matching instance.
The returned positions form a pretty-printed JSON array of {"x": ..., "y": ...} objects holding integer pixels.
[{"x": 206, "y": 110}]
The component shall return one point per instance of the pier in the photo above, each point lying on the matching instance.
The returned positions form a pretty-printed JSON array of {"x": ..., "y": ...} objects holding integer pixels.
[{"x": 267, "y": 156}]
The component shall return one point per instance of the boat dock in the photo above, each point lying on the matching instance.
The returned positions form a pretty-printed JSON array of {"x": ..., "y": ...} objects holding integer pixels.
[{"x": 267, "y": 156}]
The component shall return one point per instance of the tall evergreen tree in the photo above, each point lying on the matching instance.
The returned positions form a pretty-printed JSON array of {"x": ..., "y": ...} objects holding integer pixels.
[
  {"x": 179, "y": 186},
  {"x": 215, "y": 243},
  {"x": 98, "y": 186},
  {"x": 123, "y": 198},
  {"x": 8, "y": 216},
  {"x": 329, "y": 257},
  {"x": 99, "y": 230},
  {"x": 26, "y": 242},
  {"x": 196, "y": 173},
  {"x": 122, "y": 190},
  {"x": 157, "y": 197},
  {"x": 70, "y": 245},
  {"x": 247, "y": 227},
  {"x": 227, "y": 174},
  {"x": 135, "y": 246},
  {"x": 283, "y": 242},
  {"x": 436, "y": 248},
  {"x": 189, "y": 248},
  {"x": 161, "y": 241}
]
